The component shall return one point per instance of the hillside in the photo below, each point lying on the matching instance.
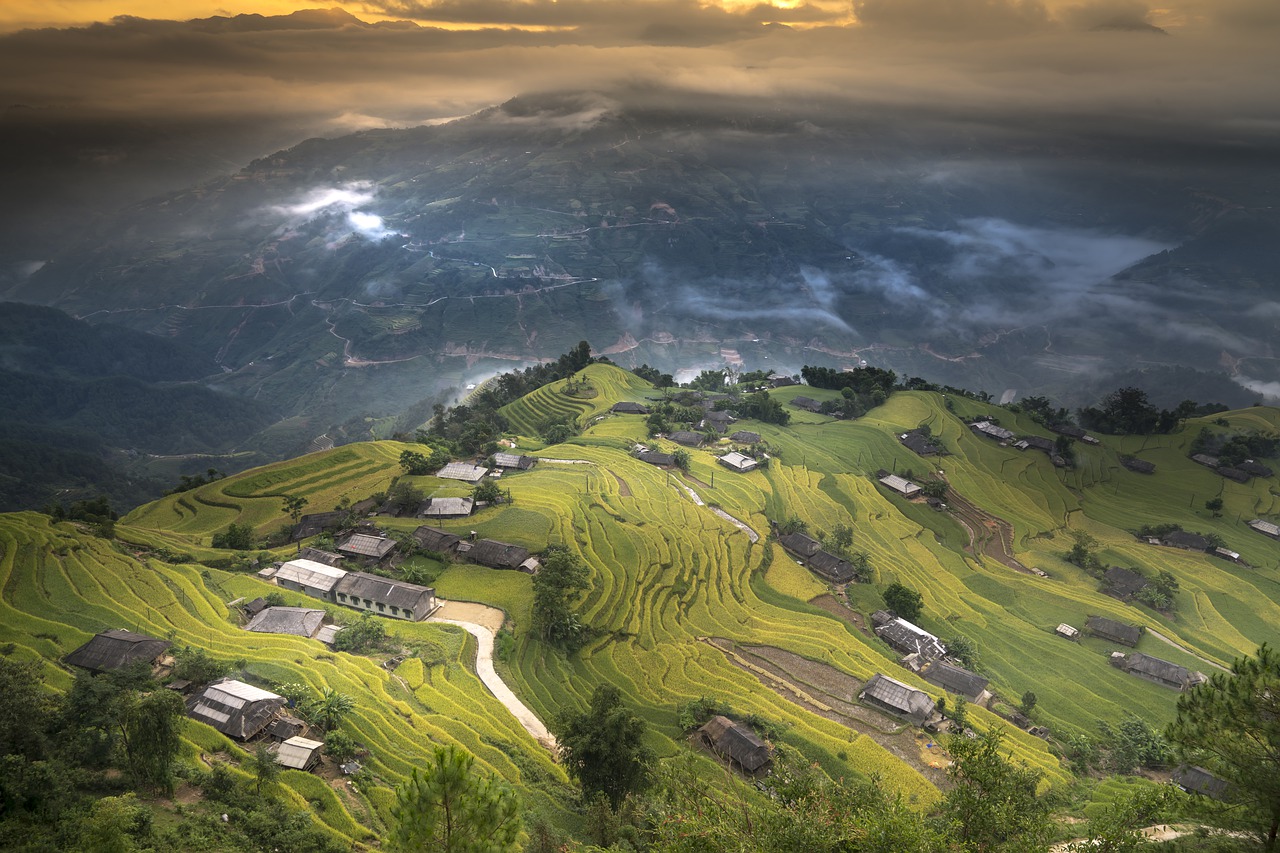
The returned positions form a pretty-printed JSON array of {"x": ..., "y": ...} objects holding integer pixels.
[{"x": 684, "y": 604}]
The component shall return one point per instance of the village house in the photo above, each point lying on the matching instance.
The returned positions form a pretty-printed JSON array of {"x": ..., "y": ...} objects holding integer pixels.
[
  {"x": 116, "y": 649},
  {"x": 1035, "y": 442},
  {"x": 783, "y": 381},
  {"x": 900, "y": 700},
  {"x": 736, "y": 461},
  {"x": 904, "y": 487},
  {"x": 990, "y": 430},
  {"x": 625, "y": 408},
  {"x": 447, "y": 508},
  {"x": 1073, "y": 431},
  {"x": 463, "y": 471},
  {"x": 1123, "y": 584},
  {"x": 1236, "y": 474},
  {"x": 1185, "y": 540},
  {"x": 831, "y": 567},
  {"x": 298, "y": 621},
  {"x": 737, "y": 744},
  {"x": 1067, "y": 632},
  {"x": 1138, "y": 466},
  {"x": 801, "y": 545},
  {"x": 435, "y": 539},
  {"x": 718, "y": 421},
  {"x": 1205, "y": 459},
  {"x": 1197, "y": 780},
  {"x": 1254, "y": 468},
  {"x": 514, "y": 461},
  {"x": 326, "y": 557},
  {"x": 1226, "y": 554},
  {"x": 1116, "y": 632},
  {"x": 298, "y": 753},
  {"x": 653, "y": 457},
  {"x": 313, "y": 524},
  {"x": 958, "y": 680},
  {"x": 386, "y": 597},
  {"x": 808, "y": 404},
  {"x": 919, "y": 443},
  {"x": 367, "y": 547},
  {"x": 743, "y": 436},
  {"x": 234, "y": 708},
  {"x": 314, "y": 579},
  {"x": 1162, "y": 672},
  {"x": 687, "y": 438},
  {"x": 1266, "y": 528},
  {"x": 284, "y": 727},
  {"x": 906, "y": 637},
  {"x": 500, "y": 555}
]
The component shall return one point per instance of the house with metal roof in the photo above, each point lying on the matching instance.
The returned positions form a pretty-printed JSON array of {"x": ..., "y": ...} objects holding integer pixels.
[
  {"x": 385, "y": 597},
  {"x": 328, "y": 633},
  {"x": 736, "y": 743},
  {"x": 739, "y": 462},
  {"x": 1160, "y": 671},
  {"x": 447, "y": 508},
  {"x": 498, "y": 555},
  {"x": 1266, "y": 528},
  {"x": 326, "y": 557},
  {"x": 919, "y": 443},
  {"x": 464, "y": 471},
  {"x": 299, "y": 753},
  {"x": 1138, "y": 466},
  {"x": 907, "y": 637},
  {"x": 514, "y": 461},
  {"x": 902, "y": 486},
  {"x": 901, "y": 700},
  {"x": 315, "y": 579},
  {"x": 116, "y": 649},
  {"x": 628, "y": 408},
  {"x": 1067, "y": 632},
  {"x": 298, "y": 621},
  {"x": 435, "y": 539},
  {"x": 1205, "y": 459},
  {"x": 367, "y": 547},
  {"x": 1116, "y": 632},
  {"x": 234, "y": 708},
  {"x": 832, "y": 567},
  {"x": 990, "y": 430},
  {"x": 957, "y": 680}
]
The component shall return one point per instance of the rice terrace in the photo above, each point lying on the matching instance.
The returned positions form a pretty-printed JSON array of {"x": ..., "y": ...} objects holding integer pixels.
[{"x": 680, "y": 602}]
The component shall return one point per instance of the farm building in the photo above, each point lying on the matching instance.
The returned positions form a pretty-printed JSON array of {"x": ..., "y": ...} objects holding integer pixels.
[
  {"x": 1067, "y": 632},
  {"x": 435, "y": 539},
  {"x": 464, "y": 471},
  {"x": 957, "y": 680},
  {"x": 1197, "y": 780},
  {"x": 299, "y": 753},
  {"x": 833, "y": 568},
  {"x": 686, "y": 438},
  {"x": 1205, "y": 459},
  {"x": 919, "y": 443},
  {"x": 743, "y": 436},
  {"x": 514, "y": 461},
  {"x": 990, "y": 430},
  {"x": 313, "y": 524},
  {"x": 385, "y": 597},
  {"x": 718, "y": 421},
  {"x": 1138, "y": 466},
  {"x": 234, "y": 708},
  {"x": 1123, "y": 584},
  {"x": 326, "y": 557},
  {"x": 500, "y": 555},
  {"x": 736, "y": 743},
  {"x": 284, "y": 727},
  {"x": 328, "y": 633},
  {"x": 1073, "y": 431},
  {"x": 783, "y": 381},
  {"x": 1035, "y": 442},
  {"x": 1226, "y": 554},
  {"x": 1266, "y": 528},
  {"x": 367, "y": 547},
  {"x": 800, "y": 544},
  {"x": 298, "y": 621},
  {"x": 1185, "y": 540},
  {"x": 901, "y": 700},
  {"x": 253, "y": 608},
  {"x": 808, "y": 404},
  {"x": 625, "y": 408},
  {"x": 1116, "y": 632},
  {"x": 315, "y": 579},
  {"x": 906, "y": 637},
  {"x": 1160, "y": 671},
  {"x": 738, "y": 462},
  {"x": 1254, "y": 469},
  {"x": 902, "y": 486},
  {"x": 653, "y": 457},
  {"x": 447, "y": 508},
  {"x": 116, "y": 649}
]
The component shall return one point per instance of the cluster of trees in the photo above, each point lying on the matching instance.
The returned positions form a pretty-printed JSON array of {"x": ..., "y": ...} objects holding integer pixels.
[
  {"x": 1126, "y": 411},
  {"x": 187, "y": 482},
  {"x": 657, "y": 377},
  {"x": 420, "y": 464},
  {"x": 556, "y": 587},
  {"x": 860, "y": 390},
  {"x": 237, "y": 537},
  {"x": 1232, "y": 449},
  {"x": 904, "y": 601},
  {"x": 759, "y": 406},
  {"x": 96, "y": 512}
]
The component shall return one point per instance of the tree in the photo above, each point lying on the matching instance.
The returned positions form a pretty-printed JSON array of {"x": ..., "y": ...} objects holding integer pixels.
[
  {"x": 151, "y": 732},
  {"x": 197, "y": 666},
  {"x": 842, "y": 538},
  {"x": 904, "y": 601},
  {"x": 23, "y": 705},
  {"x": 450, "y": 808},
  {"x": 265, "y": 769},
  {"x": 486, "y": 492},
  {"x": 1028, "y": 702},
  {"x": 365, "y": 633},
  {"x": 293, "y": 505},
  {"x": 330, "y": 708},
  {"x": 603, "y": 748},
  {"x": 934, "y": 489},
  {"x": 1230, "y": 725},
  {"x": 964, "y": 650},
  {"x": 415, "y": 464},
  {"x": 1214, "y": 505},
  {"x": 555, "y": 589},
  {"x": 405, "y": 497},
  {"x": 681, "y": 458},
  {"x": 993, "y": 805},
  {"x": 237, "y": 537},
  {"x": 340, "y": 746}
]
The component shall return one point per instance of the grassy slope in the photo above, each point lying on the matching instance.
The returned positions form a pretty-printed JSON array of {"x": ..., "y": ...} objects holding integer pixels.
[{"x": 666, "y": 572}]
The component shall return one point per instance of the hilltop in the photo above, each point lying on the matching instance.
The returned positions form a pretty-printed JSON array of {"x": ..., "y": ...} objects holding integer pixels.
[{"x": 684, "y": 603}]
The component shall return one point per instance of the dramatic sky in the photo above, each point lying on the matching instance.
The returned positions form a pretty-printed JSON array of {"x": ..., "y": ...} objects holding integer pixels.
[{"x": 1204, "y": 64}]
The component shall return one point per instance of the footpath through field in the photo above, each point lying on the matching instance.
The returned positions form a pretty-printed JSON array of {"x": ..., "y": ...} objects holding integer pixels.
[
  {"x": 483, "y": 622},
  {"x": 741, "y": 525}
]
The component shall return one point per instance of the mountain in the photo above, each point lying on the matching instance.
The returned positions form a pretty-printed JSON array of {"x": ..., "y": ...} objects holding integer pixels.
[{"x": 355, "y": 282}]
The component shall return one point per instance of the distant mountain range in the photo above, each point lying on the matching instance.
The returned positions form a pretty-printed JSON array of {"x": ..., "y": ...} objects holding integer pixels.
[{"x": 349, "y": 284}]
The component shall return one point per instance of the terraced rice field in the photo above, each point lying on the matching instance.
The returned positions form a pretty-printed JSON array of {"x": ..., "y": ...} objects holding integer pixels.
[
  {"x": 666, "y": 573},
  {"x": 551, "y": 403}
]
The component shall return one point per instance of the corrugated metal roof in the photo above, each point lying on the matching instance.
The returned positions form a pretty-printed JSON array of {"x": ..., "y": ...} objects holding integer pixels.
[
  {"x": 298, "y": 753},
  {"x": 900, "y": 484},
  {"x": 368, "y": 545},
  {"x": 463, "y": 471},
  {"x": 384, "y": 590},
  {"x": 298, "y": 621},
  {"x": 309, "y": 573}
]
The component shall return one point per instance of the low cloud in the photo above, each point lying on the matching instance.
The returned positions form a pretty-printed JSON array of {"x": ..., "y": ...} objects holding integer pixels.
[{"x": 344, "y": 207}]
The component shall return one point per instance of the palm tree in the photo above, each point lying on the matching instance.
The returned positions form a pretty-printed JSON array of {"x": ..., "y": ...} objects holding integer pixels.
[{"x": 331, "y": 707}]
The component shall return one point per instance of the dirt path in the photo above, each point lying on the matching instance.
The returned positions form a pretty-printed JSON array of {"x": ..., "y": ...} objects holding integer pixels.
[
  {"x": 1159, "y": 832},
  {"x": 1184, "y": 649},
  {"x": 989, "y": 536},
  {"x": 831, "y": 693},
  {"x": 623, "y": 489},
  {"x": 751, "y": 534},
  {"x": 483, "y": 629}
]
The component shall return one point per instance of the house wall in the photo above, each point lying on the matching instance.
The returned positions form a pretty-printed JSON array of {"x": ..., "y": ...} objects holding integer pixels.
[
  {"x": 423, "y": 609},
  {"x": 324, "y": 595}
]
